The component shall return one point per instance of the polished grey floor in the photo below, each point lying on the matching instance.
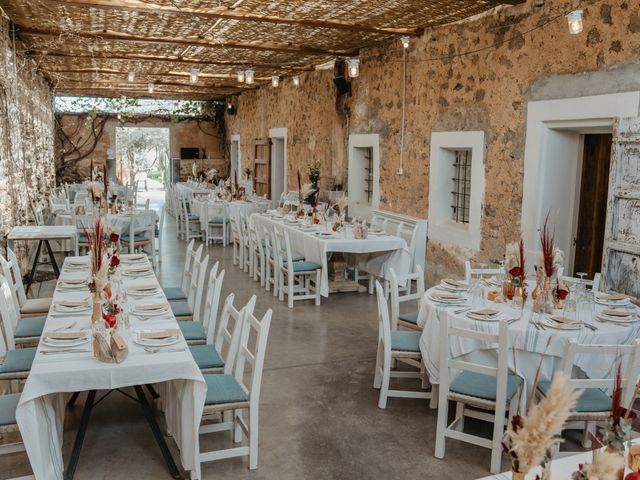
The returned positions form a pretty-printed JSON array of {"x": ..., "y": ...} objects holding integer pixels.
[{"x": 318, "y": 411}]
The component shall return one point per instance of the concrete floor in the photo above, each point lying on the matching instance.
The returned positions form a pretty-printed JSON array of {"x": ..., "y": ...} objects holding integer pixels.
[{"x": 318, "y": 410}]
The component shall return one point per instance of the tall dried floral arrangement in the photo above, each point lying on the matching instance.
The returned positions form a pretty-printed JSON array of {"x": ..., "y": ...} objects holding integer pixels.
[{"x": 98, "y": 264}]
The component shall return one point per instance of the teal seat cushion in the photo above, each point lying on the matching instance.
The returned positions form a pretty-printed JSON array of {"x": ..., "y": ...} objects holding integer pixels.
[
  {"x": 174, "y": 293},
  {"x": 30, "y": 327},
  {"x": 193, "y": 216},
  {"x": 591, "y": 400},
  {"x": 181, "y": 309},
  {"x": 192, "y": 330},
  {"x": 305, "y": 266},
  {"x": 405, "y": 341},
  {"x": 218, "y": 220},
  {"x": 8, "y": 405},
  {"x": 18, "y": 360},
  {"x": 482, "y": 386},
  {"x": 206, "y": 356},
  {"x": 223, "y": 389},
  {"x": 411, "y": 317},
  {"x": 137, "y": 237}
]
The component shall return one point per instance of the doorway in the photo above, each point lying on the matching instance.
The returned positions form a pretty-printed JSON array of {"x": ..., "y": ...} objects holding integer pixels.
[
  {"x": 279, "y": 186},
  {"x": 592, "y": 211}
]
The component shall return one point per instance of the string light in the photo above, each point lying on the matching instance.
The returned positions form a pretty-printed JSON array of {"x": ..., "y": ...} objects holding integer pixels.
[
  {"x": 405, "y": 41},
  {"x": 248, "y": 76},
  {"x": 194, "y": 75},
  {"x": 241, "y": 76},
  {"x": 575, "y": 22},
  {"x": 296, "y": 81},
  {"x": 275, "y": 81},
  {"x": 151, "y": 87},
  {"x": 131, "y": 76},
  {"x": 354, "y": 67}
]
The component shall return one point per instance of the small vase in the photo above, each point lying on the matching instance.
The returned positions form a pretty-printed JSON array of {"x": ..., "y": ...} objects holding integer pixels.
[
  {"x": 96, "y": 313},
  {"x": 620, "y": 472},
  {"x": 544, "y": 302},
  {"x": 517, "y": 475}
]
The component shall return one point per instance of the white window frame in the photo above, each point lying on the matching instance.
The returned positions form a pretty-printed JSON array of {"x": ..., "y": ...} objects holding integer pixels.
[
  {"x": 442, "y": 228},
  {"x": 235, "y": 137},
  {"x": 355, "y": 181}
]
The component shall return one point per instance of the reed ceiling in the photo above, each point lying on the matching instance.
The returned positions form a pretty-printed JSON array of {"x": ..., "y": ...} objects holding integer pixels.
[{"x": 86, "y": 47}]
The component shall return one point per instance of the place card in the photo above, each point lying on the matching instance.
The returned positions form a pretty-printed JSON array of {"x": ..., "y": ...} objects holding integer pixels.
[
  {"x": 613, "y": 297},
  {"x": 151, "y": 306},
  {"x": 616, "y": 313},
  {"x": 486, "y": 312},
  {"x": 64, "y": 335},
  {"x": 73, "y": 303},
  {"x": 563, "y": 320}
]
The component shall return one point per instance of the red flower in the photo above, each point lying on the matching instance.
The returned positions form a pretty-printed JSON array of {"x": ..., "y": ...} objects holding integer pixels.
[
  {"x": 114, "y": 237},
  {"x": 515, "y": 272},
  {"x": 107, "y": 291},
  {"x": 109, "y": 319},
  {"x": 562, "y": 294},
  {"x": 115, "y": 261},
  {"x": 316, "y": 221},
  {"x": 334, "y": 228}
]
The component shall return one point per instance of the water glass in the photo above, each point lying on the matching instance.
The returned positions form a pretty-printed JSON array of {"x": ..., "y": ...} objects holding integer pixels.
[{"x": 570, "y": 310}]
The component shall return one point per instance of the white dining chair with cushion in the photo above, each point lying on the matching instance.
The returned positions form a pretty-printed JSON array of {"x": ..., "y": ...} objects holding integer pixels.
[
  {"x": 140, "y": 234},
  {"x": 475, "y": 272},
  {"x": 27, "y": 330},
  {"x": 299, "y": 280},
  {"x": 395, "y": 345},
  {"x": 401, "y": 292},
  {"x": 190, "y": 310},
  {"x": 198, "y": 332},
  {"x": 212, "y": 357},
  {"x": 257, "y": 250},
  {"x": 247, "y": 258},
  {"x": 236, "y": 241},
  {"x": 271, "y": 265},
  {"x": 595, "y": 284},
  {"x": 9, "y": 425},
  {"x": 594, "y": 405},
  {"x": 191, "y": 222},
  {"x": 230, "y": 393},
  {"x": 29, "y": 307},
  {"x": 181, "y": 292},
  {"x": 217, "y": 223},
  {"x": 481, "y": 391},
  {"x": 15, "y": 363}
]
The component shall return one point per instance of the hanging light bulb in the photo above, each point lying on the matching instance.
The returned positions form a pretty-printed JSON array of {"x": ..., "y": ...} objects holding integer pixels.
[
  {"x": 405, "y": 41},
  {"x": 194, "y": 75},
  {"x": 241, "y": 76},
  {"x": 275, "y": 81},
  {"x": 296, "y": 81},
  {"x": 131, "y": 76},
  {"x": 248, "y": 76},
  {"x": 354, "y": 67},
  {"x": 575, "y": 22},
  {"x": 151, "y": 87}
]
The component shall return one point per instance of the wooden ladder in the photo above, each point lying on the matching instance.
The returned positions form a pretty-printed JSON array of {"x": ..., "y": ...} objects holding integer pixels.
[{"x": 262, "y": 167}]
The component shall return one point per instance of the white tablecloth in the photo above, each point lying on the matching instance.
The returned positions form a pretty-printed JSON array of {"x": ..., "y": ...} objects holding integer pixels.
[
  {"x": 40, "y": 413},
  {"x": 44, "y": 232},
  {"x": 234, "y": 209},
  {"x": 188, "y": 190},
  {"x": 375, "y": 254},
  {"x": 529, "y": 342}
]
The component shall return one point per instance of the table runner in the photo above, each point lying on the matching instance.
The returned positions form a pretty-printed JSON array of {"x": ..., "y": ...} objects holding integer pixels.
[
  {"x": 40, "y": 412},
  {"x": 529, "y": 342},
  {"x": 375, "y": 254}
]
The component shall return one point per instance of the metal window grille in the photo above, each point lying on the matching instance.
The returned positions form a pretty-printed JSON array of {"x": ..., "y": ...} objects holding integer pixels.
[
  {"x": 461, "y": 193},
  {"x": 368, "y": 177}
]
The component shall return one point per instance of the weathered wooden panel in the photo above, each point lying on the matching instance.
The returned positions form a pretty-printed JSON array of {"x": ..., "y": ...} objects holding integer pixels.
[
  {"x": 627, "y": 227},
  {"x": 624, "y": 271}
]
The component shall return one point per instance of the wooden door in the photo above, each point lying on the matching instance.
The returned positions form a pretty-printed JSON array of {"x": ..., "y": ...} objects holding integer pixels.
[
  {"x": 621, "y": 263},
  {"x": 592, "y": 214},
  {"x": 262, "y": 167}
]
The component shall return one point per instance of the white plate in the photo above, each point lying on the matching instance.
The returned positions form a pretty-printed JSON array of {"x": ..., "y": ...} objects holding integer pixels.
[
  {"x": 452, "y": 301},
  {"x": 65, "y": 309},
  {"x": 612, "y": 303},
  {"x": 326, "y": 235},
  {"x": 165, "y": 342},
  {"x": 483, "y": 318},
  {"x": 55, "y": 343},
  {"x": 451, "y": 288},
  {"x": 138, "y": 274},
  {"x": 143, "y": 293},
  {"x": 621, "y": 320},
  {"x": 151, "y": 313},
  {"x": 547, "y": 322}
]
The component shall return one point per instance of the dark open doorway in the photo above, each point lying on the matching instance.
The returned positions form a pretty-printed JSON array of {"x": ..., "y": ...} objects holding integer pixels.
[{"x": 594, "y": 189}]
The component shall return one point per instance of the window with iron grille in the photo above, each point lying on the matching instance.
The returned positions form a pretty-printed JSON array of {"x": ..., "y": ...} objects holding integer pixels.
[
  {"x": 368, "y": 177},
  {"x": 461, "y": 186}
]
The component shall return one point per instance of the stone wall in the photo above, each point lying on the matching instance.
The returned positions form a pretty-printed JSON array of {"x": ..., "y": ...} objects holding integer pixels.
[
  {"x": 81, "y": 127},
  {"x": 27, "y": 172},
  {"x": 487, "y": 90}
]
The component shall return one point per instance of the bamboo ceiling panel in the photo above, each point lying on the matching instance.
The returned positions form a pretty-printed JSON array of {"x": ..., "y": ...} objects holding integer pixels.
[{"x": 88, "y": 46}]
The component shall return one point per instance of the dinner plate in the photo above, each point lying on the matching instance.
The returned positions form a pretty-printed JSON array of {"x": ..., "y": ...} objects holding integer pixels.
[
  {"x": 447, "y": 300},
  {"x": 483, "y": 318},
  {"x": 620, "y": 320},
  {"x": 451, "y": 288},
  {"x": 151, "y": 313},
  {"x": 154, "y": 342},
  {"x": 326, "y": 234},
  {"x": 548, "y": 322},
  {"x": 612, "y": 303},
  {"x": 56, "y": 343}
]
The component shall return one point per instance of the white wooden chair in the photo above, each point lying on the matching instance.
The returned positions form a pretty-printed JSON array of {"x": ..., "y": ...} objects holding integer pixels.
[
  {"x": 395, "y": 345},
  {"x": 595, "y": 283},
  {"x": 182, "y": 291},
  {"x": 15, "y": 364},
  {"x": 480, "y": 391},
  {"x": 212, "y": 357},
  {"x": 9, "y": 425},
  {"x": 141, "y": 233},
  {"x": 29, "y": 307},
  {"x": 217, "y": 223},
  {"x": 236, "y": 241},
  {"x": 228, "y": 392},
  {"x": 299, "y": 280},
  {"x": 271, "y": 264},
  {"x": 80, "y": 221},
  {"x": 401, "y": 295},
  {"x": 190, "y": 310},
  {"x": 247, "y": 265},
  {"x": 25, "y": 331},
  {"x": 191, "y": 222},
  {"x": 475, "y": 272},
  {"x": 257, "y": 251},
  {"x": 159, "y": 234},
  {"x": 594, "y": 405},
  {"x": 196, "y": 332}
]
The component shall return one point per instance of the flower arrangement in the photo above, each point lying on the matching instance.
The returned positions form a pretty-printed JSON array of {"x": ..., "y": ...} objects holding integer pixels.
[
  {"x": 516, "y": 269},
  {"x": 110, "y": 310},
  {"x": 98, "y": 264},
  {"x": 605, "y": 466},
  {"x": 211, "y": 175},
  {"x": 529, "y": 440},
  {"x": 617, "y": 429},
  {"x": 313, "y": 167},
  {"x": 549, "y": 261}
]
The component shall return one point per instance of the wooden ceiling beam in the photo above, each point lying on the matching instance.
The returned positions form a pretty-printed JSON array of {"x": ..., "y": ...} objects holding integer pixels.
[
  {"x": 237, "y": 14},
  {"x": 109, "y": 71},
  {"x": 187, "y": 41},
  {"x": 143, "y": 84},
  {"x": 116, "y": 92}
]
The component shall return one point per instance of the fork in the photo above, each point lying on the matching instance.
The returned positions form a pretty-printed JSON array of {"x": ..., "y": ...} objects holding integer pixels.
[
  {"x": 160, "y": 349},
  {"x": 67, "y": 327}
]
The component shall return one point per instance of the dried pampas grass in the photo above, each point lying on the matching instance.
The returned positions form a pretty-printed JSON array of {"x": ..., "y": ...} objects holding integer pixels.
[
  {"x": 539, "y": 431},
  {"x": 605, "y": 466}
]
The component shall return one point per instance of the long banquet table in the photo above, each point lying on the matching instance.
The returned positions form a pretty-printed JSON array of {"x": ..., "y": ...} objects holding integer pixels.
[
  {"x": 375, "y": 254},
  {"x": 234, "y": 209},
  {"x": 529, "y": 342},
  {"x": 40, "y": 412}
]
